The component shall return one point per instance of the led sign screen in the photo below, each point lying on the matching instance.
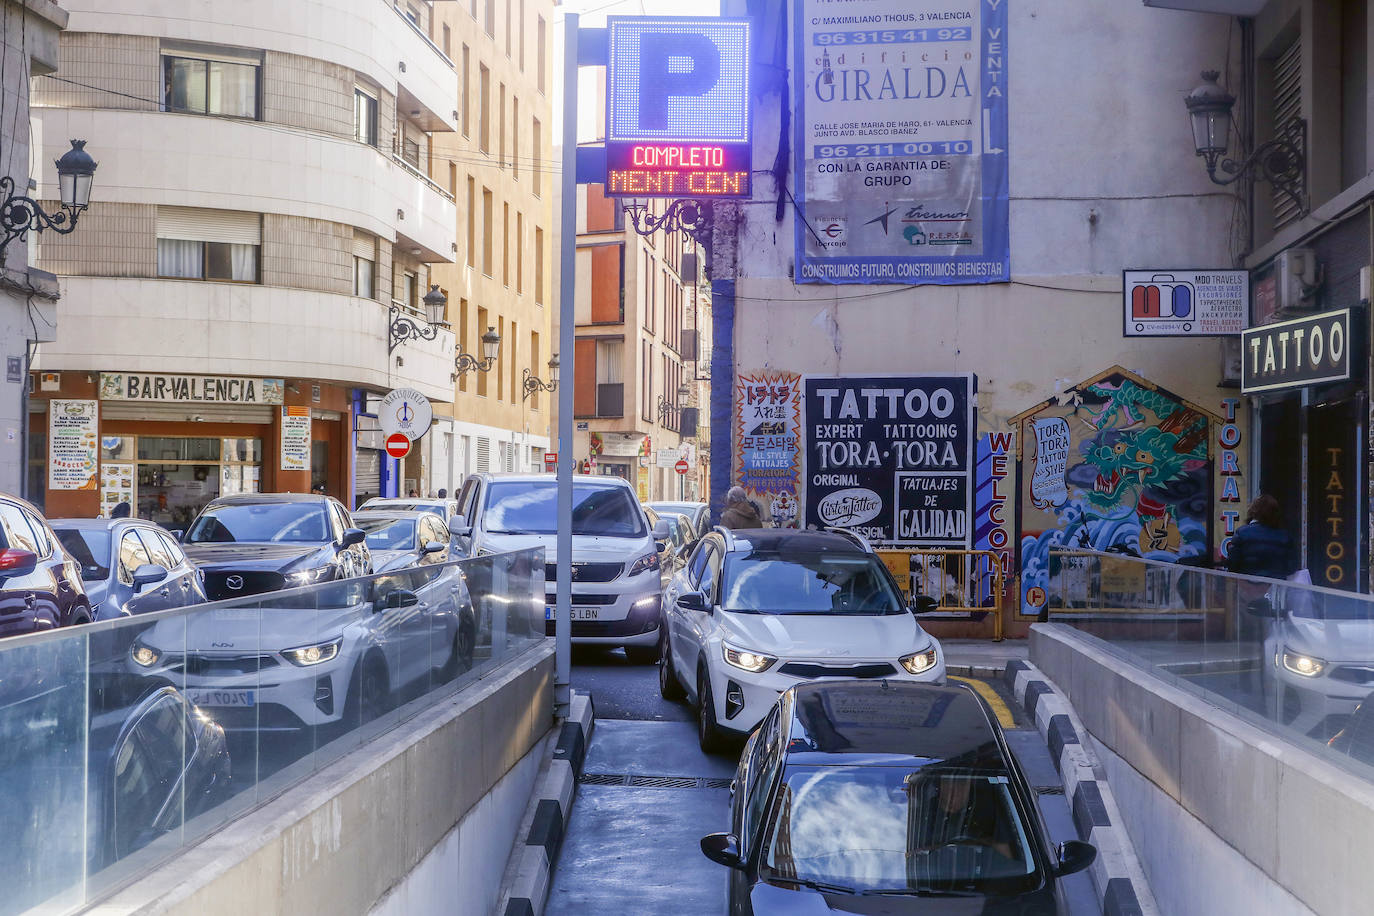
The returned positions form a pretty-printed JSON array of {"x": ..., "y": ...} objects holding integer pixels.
[{"x": 677, "y": 107}]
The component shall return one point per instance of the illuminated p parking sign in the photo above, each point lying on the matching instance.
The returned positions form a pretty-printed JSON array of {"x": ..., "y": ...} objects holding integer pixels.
[{"x": 677, "y": 107}]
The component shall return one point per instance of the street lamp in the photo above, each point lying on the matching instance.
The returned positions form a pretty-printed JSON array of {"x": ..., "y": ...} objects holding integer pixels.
[
  {"x": 403, "y": 327},
  {"x": 20, "y": 213},
  {"x": 532, "y": 384},
  {"x": 466, "y": 362},
  {"x": 1279, "y": 161},
  {"x": 666, "y": 407}
]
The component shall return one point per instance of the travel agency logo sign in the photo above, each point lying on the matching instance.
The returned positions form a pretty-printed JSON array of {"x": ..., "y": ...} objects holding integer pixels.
[{"x": 900, "y": 142}]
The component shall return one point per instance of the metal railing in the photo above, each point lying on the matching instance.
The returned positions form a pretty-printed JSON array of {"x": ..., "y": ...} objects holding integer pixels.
[
  {"x": 969, "y": 584},
  {"x": 1294, "y": 659},
  {"x": 123, "y": 742}
]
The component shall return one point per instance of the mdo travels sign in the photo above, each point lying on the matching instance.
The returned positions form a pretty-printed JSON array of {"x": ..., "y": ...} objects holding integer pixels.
[
  {"x": 890, "y": 457},
  {"x": 1297, "y": 353}
]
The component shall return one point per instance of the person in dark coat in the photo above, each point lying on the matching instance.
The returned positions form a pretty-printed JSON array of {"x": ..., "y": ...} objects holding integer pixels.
[
  {"x": 121, "y": 510},
  {"x": 739, "y": 511},
  {"x": 1261, "y": 547}
]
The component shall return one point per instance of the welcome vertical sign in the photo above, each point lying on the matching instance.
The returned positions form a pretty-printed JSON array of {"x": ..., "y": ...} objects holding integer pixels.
[{"x": 901, "y": 143}]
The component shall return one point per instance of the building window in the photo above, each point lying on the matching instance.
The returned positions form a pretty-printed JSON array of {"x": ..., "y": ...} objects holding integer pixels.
[
  {"x": 364, "y": 271},
  {"x": 538, "y": 266},
  {"x": 364, "y": 117},
  {"x": 467, "y": 88},
  {"x": 472, "y": 221},
  {"x": 506, "y": 343},
  {"x": 410, "y": 286},
  {"x": 481, "y": 376},
  {"x": 1286, "y": 104},
  {"x": 515, "y": 137},
  {"x": 489, "y": 18},
  {"x": 501, "y": 128},
  {"x": 195, "y": 244},
  {"x": 488, "y": 231},
  {"x": 483, "y": 108},
  {"x": 519, "y": 253},
  {"x": 535, "y": 366},
  {"x": 539, "y": 52},
  {"x": 514, "y": 337},
  {"x": 610, "y": 378},
  {"x": 410, "y": 152},
  {"x": 508, "y": 29},
  {"x": 215, "y": 87},
  {"x": 448, "y": 40},
  {"x": 536, "y": 157},
  {"x": 505, "y": 244},
  {"x": 413, "y": 14},
  {"x": 463, "y": 342},
  {"x": 521, "y": 39}
]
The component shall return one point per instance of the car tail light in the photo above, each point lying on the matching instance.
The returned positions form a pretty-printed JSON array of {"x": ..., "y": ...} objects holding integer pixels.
[{"x": 12, "y": 559}]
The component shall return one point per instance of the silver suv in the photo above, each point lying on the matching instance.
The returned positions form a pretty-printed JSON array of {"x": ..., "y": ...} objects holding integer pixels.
[{"x": 616, "y": 588}]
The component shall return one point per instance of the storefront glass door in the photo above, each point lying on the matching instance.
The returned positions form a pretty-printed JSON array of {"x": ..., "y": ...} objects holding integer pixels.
[{"x": 175, "y": 476}]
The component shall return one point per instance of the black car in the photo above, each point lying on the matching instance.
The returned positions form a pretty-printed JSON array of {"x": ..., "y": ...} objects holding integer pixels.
[
  {"x": 878, "y": 796},
  {"x": 262, "y": 542},
  {"x": 40, "y": 583}
]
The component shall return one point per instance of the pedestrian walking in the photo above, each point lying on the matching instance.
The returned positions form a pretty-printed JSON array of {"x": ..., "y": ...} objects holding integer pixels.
[
  {"x": 1261, "y": 547},
  {"x": 739, "y": 511}
]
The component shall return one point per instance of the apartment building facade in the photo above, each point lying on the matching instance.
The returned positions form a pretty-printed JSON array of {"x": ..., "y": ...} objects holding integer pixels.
[
  {"x": 265, "y": 215},
  {"x": 499, "y": 166},
  {"x": 641, "y": 381}
]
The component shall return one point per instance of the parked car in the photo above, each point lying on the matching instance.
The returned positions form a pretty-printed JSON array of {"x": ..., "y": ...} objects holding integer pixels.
[
  {"x": 445, "y": 508},
  {"x": 261, "y": 542},
  {"x": 1318, "y": 661},
  {"x": 345, "y": 654},
  {"x": 881, "y": 797},
  {"x": 672, "y": 553},
  {"x": 616, "y": 587},
  {"x": 152, "y": 767},
  {"x": 40, "y": 584},
  {"x": 129, "y": 566},
  {"x": 698, "y": 513},
  {"x": 750, "y": 616},
  {"x": 398, "y": 538}
]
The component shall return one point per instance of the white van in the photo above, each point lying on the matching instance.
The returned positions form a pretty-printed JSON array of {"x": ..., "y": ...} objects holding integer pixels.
[{"x": 616, "y": 587}]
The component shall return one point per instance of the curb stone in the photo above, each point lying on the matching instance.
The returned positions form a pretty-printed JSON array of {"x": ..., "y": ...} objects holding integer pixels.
[
  {"x": 1116, "y": 873},
  {"x": 551, "y": 807}
]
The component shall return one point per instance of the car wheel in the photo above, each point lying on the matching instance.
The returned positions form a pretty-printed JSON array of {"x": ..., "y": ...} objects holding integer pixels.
[
  {"x": 464, "y": 645},
  {"x": 368, "y": 693},
  {"x": 669, "y": 687},
  {"x": 642, "y": 655},
  {"x": 708, "y": 732}
]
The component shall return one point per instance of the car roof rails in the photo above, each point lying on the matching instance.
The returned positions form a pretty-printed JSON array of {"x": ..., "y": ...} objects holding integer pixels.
[
  {"x": 854, "y": 536},
  {"x": 727, "y": 535}
]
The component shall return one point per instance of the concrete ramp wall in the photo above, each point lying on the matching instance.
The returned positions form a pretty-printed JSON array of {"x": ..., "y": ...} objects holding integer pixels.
[{"x": 1226, "y": 817}]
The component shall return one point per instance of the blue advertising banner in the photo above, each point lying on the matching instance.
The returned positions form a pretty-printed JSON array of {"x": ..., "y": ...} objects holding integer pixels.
[{"x": 901, "y": 142}]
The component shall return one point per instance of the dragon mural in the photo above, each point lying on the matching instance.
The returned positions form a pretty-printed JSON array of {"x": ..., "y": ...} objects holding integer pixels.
[{"x": 1138, "y": 477}]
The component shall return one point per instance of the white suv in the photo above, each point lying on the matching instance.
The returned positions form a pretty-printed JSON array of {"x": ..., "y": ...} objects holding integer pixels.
[
  {"x": 754, "y": 612},
  {"x": 616, "y": 588}
]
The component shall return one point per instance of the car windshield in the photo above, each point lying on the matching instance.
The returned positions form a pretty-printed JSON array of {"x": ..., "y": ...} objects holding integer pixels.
[
  {"x": 530, "y": 507},
  {"x": 791, "y": 582},
  {"x": 90, "y": 547},
  {"x": 899, "y": 829},
  {"x": 409, "y": 505},
  {"x": 262, "y": 523},
  {"x": 388, "y": 533}
]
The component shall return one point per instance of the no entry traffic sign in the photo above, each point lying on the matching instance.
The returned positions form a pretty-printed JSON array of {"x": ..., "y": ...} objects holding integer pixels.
[
  {"x": 397, "y": 445},
  {"x": 681, "y": 466}
]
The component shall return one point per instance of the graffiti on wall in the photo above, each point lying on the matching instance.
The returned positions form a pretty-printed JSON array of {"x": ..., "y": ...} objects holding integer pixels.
[{"x": 1134, "y": 466}]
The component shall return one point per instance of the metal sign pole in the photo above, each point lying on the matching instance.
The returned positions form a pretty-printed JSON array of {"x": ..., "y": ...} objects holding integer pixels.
[{"x": 567, "y": 356}]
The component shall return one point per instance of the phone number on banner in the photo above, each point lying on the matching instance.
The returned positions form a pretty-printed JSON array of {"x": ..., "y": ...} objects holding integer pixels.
[
  {"x": 891, "y": 36},
  {"x": 860, "y": 150}
]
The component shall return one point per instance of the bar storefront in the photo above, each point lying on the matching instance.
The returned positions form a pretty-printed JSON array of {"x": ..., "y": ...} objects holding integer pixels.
[{"x": 168, "y": 443}]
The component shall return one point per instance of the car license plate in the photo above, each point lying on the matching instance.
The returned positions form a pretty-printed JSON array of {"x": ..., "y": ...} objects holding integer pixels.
[
  {"x": 578, "y": 613},
  {"x": 222, "y": 697}
]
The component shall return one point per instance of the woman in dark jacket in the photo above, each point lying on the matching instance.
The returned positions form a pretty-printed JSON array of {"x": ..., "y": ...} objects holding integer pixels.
[{"x": 1261, "y": 547}]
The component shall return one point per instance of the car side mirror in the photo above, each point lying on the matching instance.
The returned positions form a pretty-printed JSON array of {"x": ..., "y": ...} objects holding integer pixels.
[
  {"x": 923, "y": 604},
  {"x": 148, "y": 574},
  {"x": 400, "y": 597},
  {"x": 178, "y": 533},
  {"x": 723, "y": 849},
  {"x": 352, "y": 536},
  {"x": 458, "y": 525},
  {"x": 693, "y": 601},
  {"x": 1074, "y": 856},
  {"x": 433, "y": 547},
  {"x": 16, "y": 562}
]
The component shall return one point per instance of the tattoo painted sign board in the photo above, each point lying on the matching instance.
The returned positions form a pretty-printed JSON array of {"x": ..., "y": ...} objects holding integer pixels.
[
  {"x": 73, "y": 444},
  {"x": 901, "y": 141},
  {"x": 1185, "y": 303},
  {"x": 891, "y": 457},
  {"x": 767, "y": 441}
]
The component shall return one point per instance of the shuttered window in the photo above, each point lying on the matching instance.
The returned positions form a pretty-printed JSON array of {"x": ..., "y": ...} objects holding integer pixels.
[
  {"x": 483, "y": 454},
  {"x": 200, "y": 244},
  {"x": 1287, "y": 106}
]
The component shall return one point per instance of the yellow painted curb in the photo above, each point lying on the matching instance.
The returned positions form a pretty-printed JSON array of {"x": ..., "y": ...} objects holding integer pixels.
[{"x": 1004, "y": 716}]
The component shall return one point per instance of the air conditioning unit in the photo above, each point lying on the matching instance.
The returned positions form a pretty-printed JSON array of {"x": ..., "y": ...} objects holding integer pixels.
[{"x": 1295, "y": 280}]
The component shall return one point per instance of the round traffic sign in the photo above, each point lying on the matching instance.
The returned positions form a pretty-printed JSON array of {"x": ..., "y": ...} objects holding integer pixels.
[
  {"x": 405, "y": 411},
  {"x": 681, "y": 466},
  {"x": 397, "y": 445}
]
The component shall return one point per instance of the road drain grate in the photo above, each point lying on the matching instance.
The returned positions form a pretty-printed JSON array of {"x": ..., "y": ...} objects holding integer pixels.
[{"x": 652, "y": 782}]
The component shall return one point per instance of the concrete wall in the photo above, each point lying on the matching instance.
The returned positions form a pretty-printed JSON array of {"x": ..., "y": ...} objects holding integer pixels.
[
  {"x": 348, "y": 836},
  {"x": 1228, "y": 817}
]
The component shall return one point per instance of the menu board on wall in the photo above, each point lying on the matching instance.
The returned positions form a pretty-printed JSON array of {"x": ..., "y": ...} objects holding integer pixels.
[
  {"x": 891, "y": 457},
  {"x": 116, "y": 485},
  {"x": 295, "y": 438},
  {"x": 73, "y": 444}
]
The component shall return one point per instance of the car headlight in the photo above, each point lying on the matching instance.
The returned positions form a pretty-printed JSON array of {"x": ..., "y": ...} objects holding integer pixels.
[
  {"x": 644, "y": 563},
  {"x": 746, "y": 660},
  {"x": 308, "y": 576},
  {"x": 144, "y": 655},
  {"x": 920, "y": 662},
  {"x": 305, "y": 656},
  {"x": 1305, "y": 665}
]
